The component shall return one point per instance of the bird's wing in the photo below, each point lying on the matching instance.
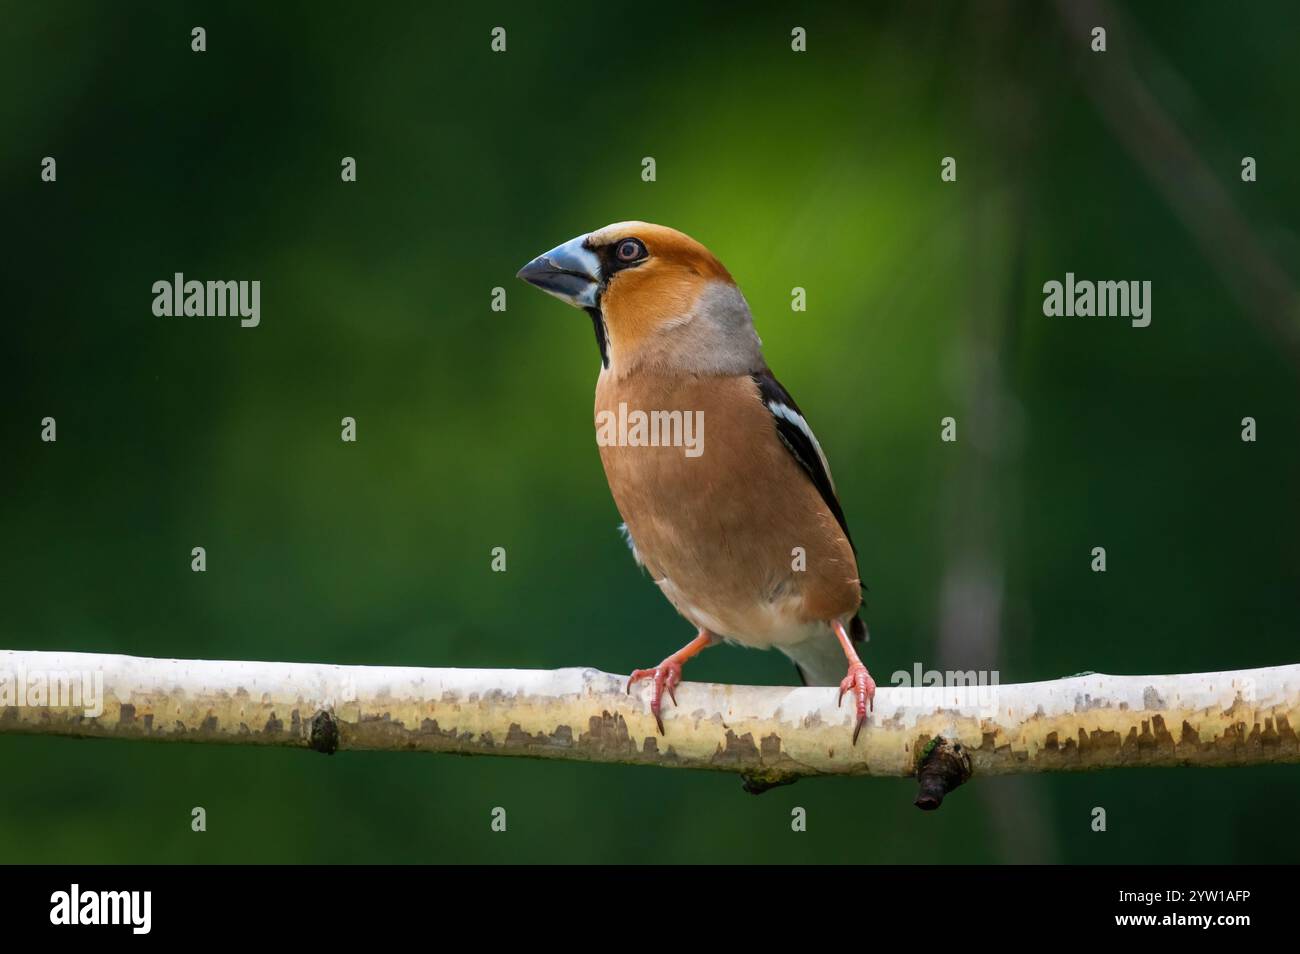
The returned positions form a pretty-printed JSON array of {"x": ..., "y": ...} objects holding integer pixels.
[
  {"x": 799, "y": 439},
  {"x": 815, "y": 660}
]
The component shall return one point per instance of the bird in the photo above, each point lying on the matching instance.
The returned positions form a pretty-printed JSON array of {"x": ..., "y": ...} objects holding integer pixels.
[{"x": 743, "y": 533}]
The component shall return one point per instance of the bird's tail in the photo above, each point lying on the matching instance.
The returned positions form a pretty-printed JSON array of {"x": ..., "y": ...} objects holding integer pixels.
[{"x": 820, "y": 660}]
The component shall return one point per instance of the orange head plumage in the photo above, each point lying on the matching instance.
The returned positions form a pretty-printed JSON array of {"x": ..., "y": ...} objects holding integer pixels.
[{"x": 657, "y": 298}]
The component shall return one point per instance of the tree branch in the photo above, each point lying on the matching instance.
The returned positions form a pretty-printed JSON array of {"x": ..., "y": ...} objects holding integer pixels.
[{"x": 770, "y": 734}]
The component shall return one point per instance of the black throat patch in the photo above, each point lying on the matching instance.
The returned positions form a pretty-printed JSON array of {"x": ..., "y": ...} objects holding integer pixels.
[{"x": 602, "y": 342}]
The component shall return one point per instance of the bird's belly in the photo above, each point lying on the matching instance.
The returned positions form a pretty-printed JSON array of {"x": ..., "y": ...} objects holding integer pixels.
[
  {"x": 726, "y": 569},
  {"x": 758, "y": 623},
  {"x": 736, "y": 536}
]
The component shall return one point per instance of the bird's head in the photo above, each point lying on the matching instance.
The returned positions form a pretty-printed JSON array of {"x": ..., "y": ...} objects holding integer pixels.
[{"x": 658, "y": 299}]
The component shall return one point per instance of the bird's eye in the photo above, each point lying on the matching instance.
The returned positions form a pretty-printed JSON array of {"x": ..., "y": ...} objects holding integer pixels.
[{"x": 629, "y": 250}]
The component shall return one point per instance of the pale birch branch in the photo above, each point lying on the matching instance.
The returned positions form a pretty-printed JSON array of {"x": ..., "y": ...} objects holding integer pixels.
[{"x": 768, "y": 733}]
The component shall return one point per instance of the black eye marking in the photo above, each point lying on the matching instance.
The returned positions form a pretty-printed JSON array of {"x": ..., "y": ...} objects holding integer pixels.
[{"x": 630, "y": 250}]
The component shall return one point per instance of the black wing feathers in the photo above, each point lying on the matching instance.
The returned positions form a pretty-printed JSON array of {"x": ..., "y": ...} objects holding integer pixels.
[
  {"x": 800, "y": 442},
  {"x": 796, "y": 435}
]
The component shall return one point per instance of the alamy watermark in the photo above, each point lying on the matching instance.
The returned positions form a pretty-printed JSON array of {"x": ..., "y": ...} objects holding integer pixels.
[
  {"x": 636, "y": 428},
  {"x": 180, "y": 298},
  {"x": 133, "y": 909},
  {"x": 969, "y": 688},
  {"x": 55, "y": 689},
  {"x": 1084, "y": 299}
]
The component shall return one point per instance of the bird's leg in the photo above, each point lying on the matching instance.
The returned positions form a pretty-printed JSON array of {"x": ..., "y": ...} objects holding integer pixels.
[
  {"x": 858, "y": 679},
  {"x": 669, "y": 673}
]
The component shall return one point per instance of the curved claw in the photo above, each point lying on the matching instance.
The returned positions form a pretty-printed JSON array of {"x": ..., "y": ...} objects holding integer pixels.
[
  {"x": 666, "y": 677},
  {"x": 864, "y": 689}
]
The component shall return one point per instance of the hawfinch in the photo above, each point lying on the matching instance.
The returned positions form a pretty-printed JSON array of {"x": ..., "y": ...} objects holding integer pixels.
[{"x": 726, "y": 495}]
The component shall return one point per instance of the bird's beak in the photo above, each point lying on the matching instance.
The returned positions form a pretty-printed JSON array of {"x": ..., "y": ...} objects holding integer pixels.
[{"x": 570, "y": 272}]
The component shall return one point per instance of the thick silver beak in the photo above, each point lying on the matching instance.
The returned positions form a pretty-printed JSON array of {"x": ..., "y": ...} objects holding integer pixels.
[{"x": 570, "y": 272}]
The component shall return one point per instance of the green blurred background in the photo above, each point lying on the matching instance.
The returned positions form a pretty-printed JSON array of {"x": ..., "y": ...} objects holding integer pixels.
[{"x": 818, "y": 170}]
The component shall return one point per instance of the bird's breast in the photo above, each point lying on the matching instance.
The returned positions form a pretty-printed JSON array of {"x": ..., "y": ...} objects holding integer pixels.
[{"x": 719, "y": 512}]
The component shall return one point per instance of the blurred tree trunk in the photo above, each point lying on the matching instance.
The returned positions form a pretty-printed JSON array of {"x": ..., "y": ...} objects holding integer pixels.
[{"x": 982, "y": 479}]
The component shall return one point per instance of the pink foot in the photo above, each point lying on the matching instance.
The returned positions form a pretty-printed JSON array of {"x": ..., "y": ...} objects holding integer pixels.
[
  {"x": 666, "y": 677},
  {"x": 864, "y": 689}
]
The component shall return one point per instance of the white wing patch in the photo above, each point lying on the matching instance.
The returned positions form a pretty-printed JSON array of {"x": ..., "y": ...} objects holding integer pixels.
[{"x": 789, "y": 414}]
